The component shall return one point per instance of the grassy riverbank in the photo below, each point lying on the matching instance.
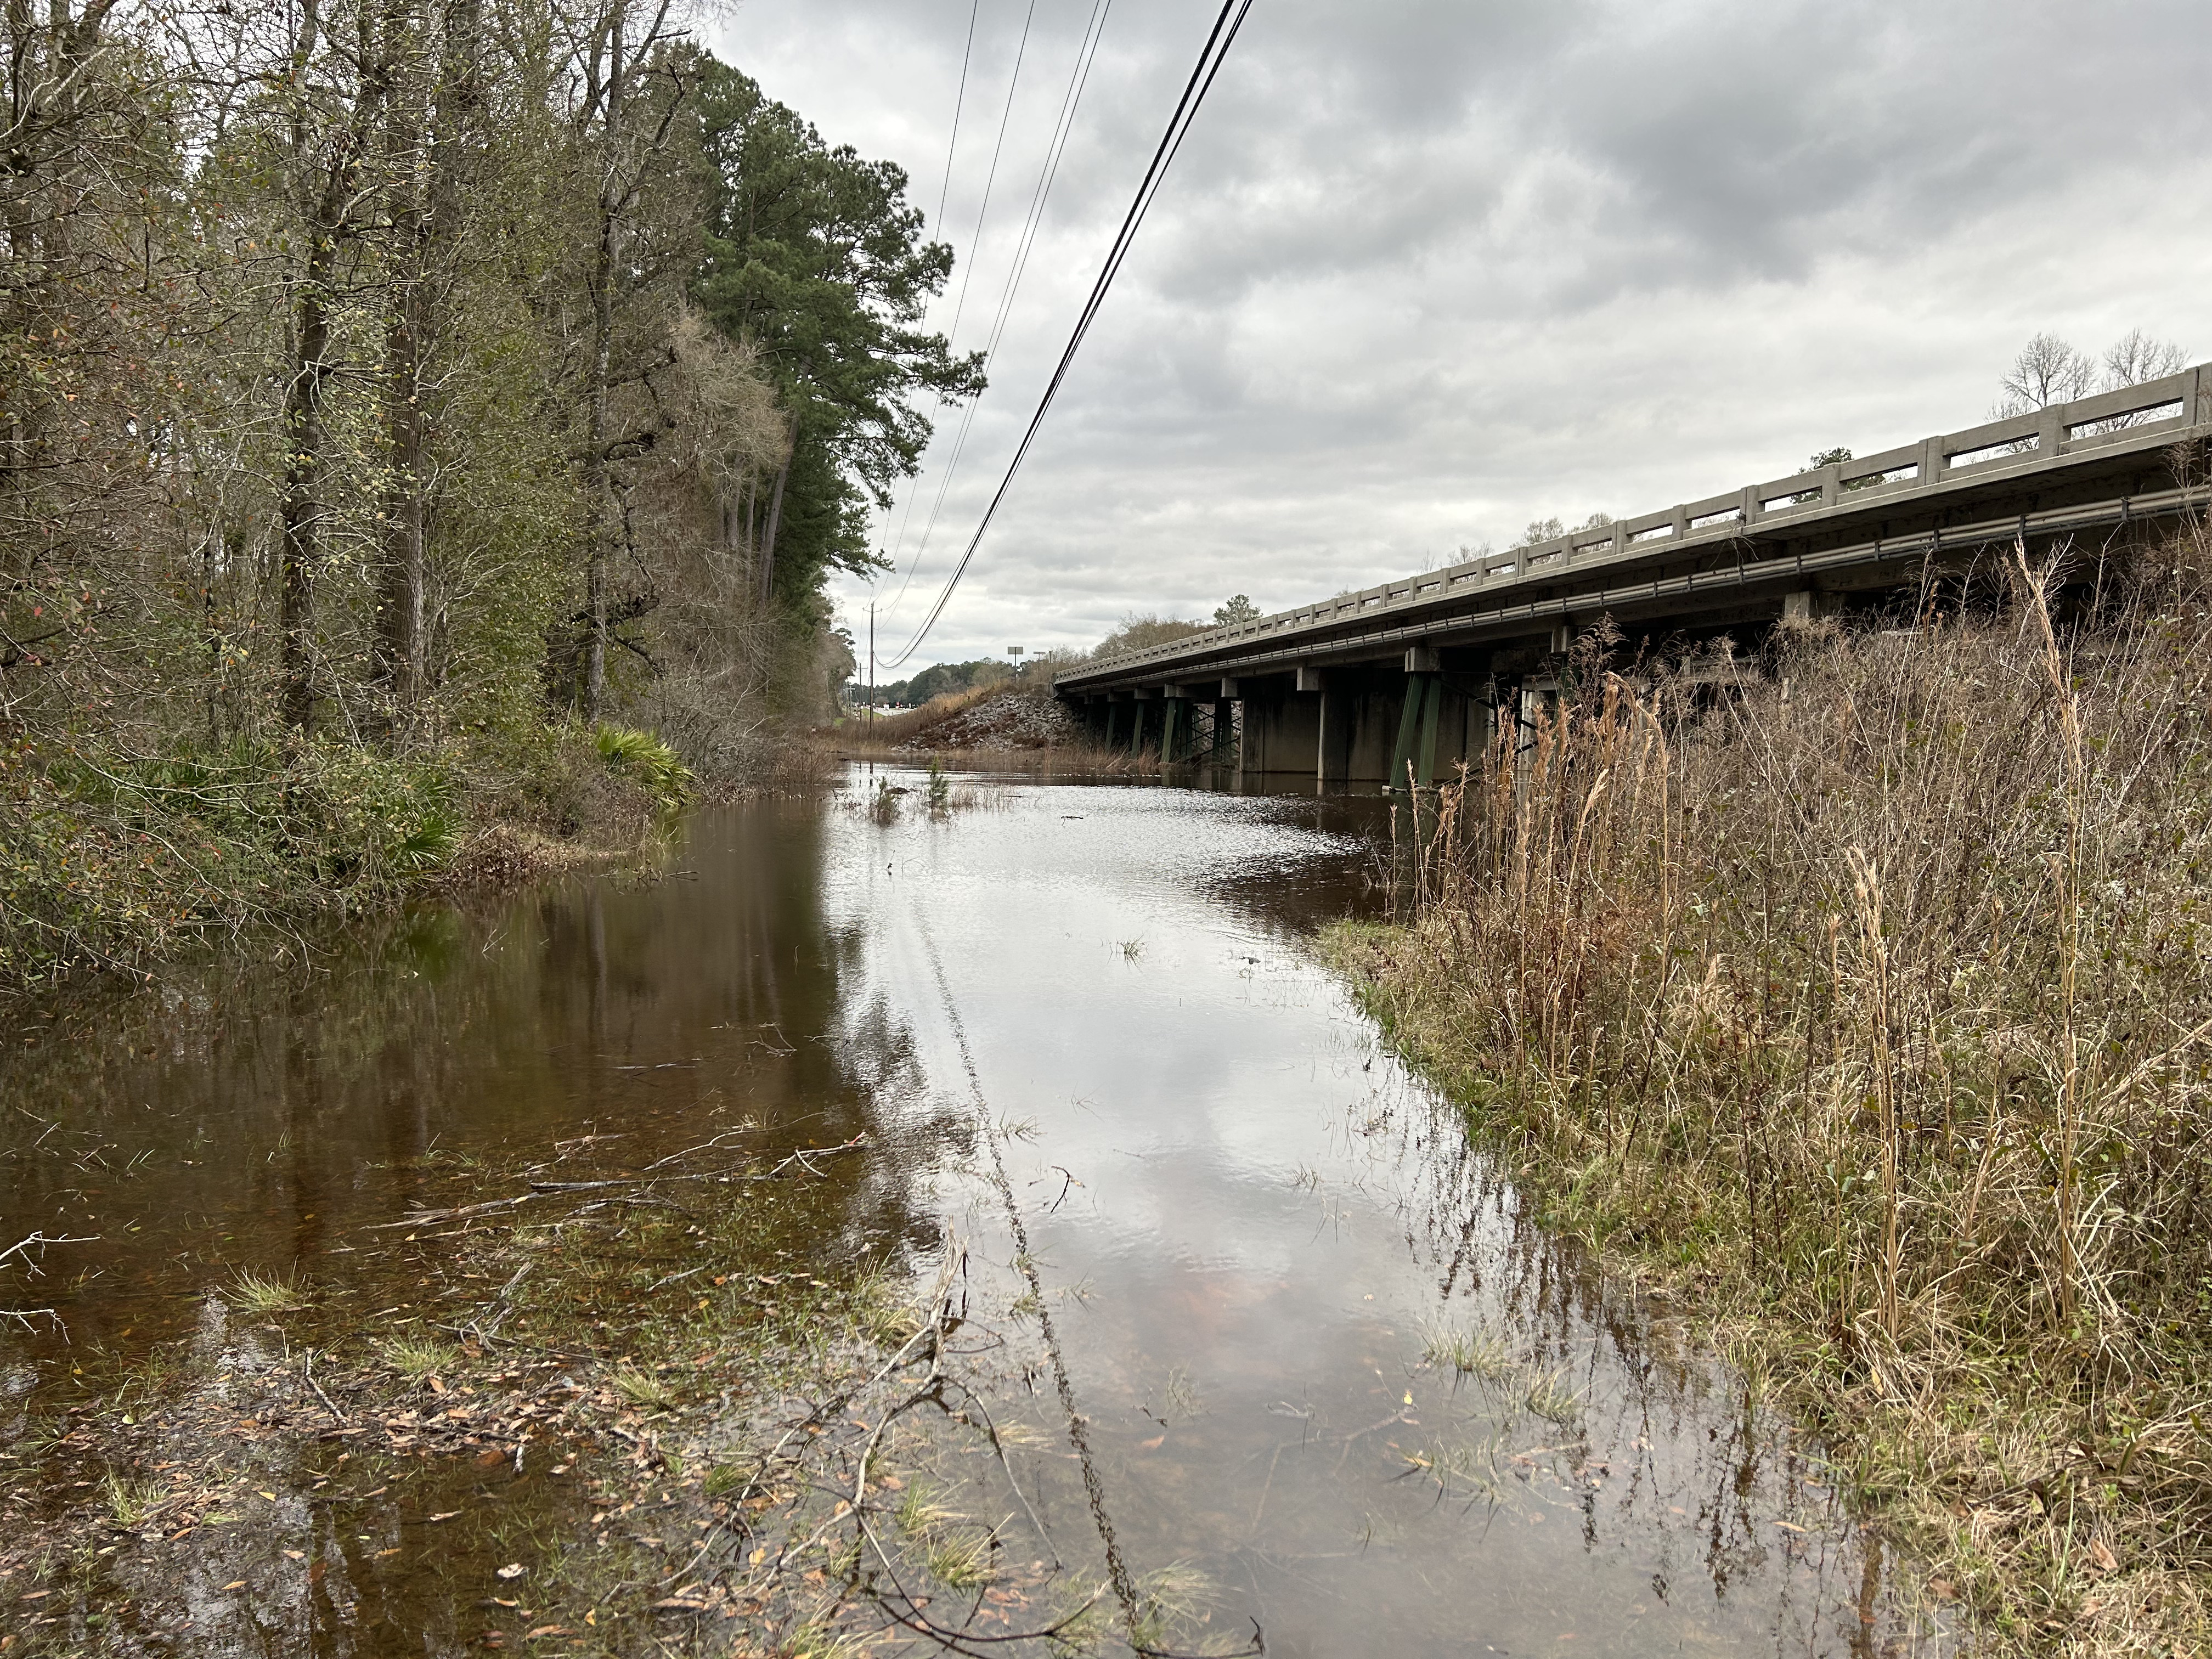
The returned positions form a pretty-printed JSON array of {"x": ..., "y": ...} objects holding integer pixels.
[
  {"x": 1868, "y": 1010},
  {"x": 110, "y": 862}
]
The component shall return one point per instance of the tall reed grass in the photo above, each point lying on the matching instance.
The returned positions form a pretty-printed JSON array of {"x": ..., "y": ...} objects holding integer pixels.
[{"x": 1871, "y": 998}]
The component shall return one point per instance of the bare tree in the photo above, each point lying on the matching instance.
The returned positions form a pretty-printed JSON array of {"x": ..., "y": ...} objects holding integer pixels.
[
  {"x": 2135, "y": 357},
  {"x": 623, "y": 46},
  {"x": 2047, "y": 371}
]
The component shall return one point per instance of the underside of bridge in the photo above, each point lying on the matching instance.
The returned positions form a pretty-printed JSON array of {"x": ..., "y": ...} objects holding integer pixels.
[{"x": 1395, "y": 685}]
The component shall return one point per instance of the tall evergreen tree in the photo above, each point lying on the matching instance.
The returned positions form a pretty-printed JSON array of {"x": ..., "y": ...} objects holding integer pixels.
[{"x": 815, "y": 257}]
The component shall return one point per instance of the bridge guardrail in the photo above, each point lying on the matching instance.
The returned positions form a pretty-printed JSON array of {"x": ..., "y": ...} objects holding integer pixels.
[{"x": 2038, "y": 440}]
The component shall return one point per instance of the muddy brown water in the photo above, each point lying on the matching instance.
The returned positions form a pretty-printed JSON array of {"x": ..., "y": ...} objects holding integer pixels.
[{"x": 1248, "y": 1222}]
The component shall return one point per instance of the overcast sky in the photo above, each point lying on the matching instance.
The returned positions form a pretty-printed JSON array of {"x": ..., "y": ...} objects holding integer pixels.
[{"x": 1425, "y": 271}]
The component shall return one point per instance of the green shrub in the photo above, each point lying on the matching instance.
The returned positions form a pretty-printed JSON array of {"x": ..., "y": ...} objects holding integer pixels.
[{"x": 646, "y": 758}]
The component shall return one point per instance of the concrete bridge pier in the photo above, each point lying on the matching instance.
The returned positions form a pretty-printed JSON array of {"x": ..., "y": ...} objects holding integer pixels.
[
  {"x": 1094, "y": 714},
  {"x": 1174, "y": 724},
  {"x": 1142, "y": 698},
  {"x": 1282, "y": 727}
]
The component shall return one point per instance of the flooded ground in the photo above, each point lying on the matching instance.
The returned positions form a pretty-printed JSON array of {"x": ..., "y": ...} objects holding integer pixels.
[{"x": 1267, "y": 1350}]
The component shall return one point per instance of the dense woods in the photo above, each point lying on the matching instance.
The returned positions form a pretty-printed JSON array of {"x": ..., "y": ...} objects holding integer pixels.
[{"x": 392, "y": 392}]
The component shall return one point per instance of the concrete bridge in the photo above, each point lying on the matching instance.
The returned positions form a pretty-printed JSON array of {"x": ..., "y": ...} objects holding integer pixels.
[{"x": 1361, "y": 687}]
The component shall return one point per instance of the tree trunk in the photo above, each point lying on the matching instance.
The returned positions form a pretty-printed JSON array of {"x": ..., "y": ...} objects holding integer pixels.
[
  {"x": 399, "y": 606},
  {"x": 427, "y": 224},
  {"x": 775, "y": 520},
  {"x": 329, "y": 221},
  {"x": 301, "y": 509},
  {"x": 598, "y": 489}
]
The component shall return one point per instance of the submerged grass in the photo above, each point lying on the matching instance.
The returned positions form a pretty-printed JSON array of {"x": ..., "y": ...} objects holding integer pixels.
[
  {"x": 418, "y": 1357},
  {"x": 1471, "y": 1354},
  {"x": 266, "y": 1294},
  {"x": 131, "y": 1503},
  {"x": 1872, "y": 1004},
  {"x": 643, "y": 1387}
]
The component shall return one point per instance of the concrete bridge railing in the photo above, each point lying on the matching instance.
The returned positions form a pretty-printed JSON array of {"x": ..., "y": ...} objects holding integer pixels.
[
  {"x": 1795, "y": 545},
  {"x": 1996, "y": 449}
]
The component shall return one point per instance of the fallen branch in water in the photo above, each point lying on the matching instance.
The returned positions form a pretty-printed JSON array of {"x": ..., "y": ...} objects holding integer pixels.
[
  {"x": 22, "y": 1249},
  {"x": 618, "y": 1183}
]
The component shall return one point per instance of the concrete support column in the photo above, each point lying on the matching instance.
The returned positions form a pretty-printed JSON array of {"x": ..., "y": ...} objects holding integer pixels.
[
  {"x": 1414, "y": 759},
  {"x": 1280, "y": 732},
  {"x": 1174, "y": 728},
  {"x": 1328, "y": 722},
  {"x": 1225, "y": 731},
  {"x": 1808, "y": 607}
]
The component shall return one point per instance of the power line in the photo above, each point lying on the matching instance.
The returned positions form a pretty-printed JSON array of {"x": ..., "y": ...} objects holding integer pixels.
[
  {"x": 1086, "y": 53},
  {"x": 990, "y": 178},
  {"x": 1211, "y": 57},
  {"x": 958, "y": 98},
  {"x": 945, "y": 191},
  {"x": 975, "y": 242}
]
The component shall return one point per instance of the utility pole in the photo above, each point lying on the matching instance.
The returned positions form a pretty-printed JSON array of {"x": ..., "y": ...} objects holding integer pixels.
[{"x": 872, "y": 667}]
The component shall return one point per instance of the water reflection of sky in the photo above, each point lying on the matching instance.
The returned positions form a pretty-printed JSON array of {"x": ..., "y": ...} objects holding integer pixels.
[{"x": 1245, "y": 1207}]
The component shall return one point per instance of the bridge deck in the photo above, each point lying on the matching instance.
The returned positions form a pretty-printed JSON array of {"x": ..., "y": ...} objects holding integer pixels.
[{"x": 1865, "y": 523}]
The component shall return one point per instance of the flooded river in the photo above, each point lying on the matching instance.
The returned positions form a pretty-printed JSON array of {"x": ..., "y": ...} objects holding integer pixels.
[{"x": 1272, "y": 1330}]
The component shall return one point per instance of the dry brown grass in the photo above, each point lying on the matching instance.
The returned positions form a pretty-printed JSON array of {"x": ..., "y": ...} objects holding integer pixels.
[
  {"x": 891, "y": 730},
  {"x": 1873, "y": 1005},
  {"x": 907, "y": 737}
]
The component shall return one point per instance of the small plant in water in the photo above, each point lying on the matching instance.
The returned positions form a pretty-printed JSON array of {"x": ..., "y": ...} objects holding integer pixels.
[
  {"x": 963, "y": 1562},
  {"x": 940, "y": 790},
  {"x": 1167, "y": 1597},
  {"x": 418, "y": 1357},
  {"x": 885, "y": 806},
  {"x": 1470, "y": 1463},
  {"x": 1183, "y": 1394},
  {"x": 919, "y": 1512},
  {"x": 1473, "y": 1353},
  {"x": 266, "y": 1293},
  {"x": 132, "y": 1501},
  {"x": 1132, "y": 950},
  {"x": 1550, "y": 1398},
  {"x": 815, "y": 1641},
  {"x": 643, "y": 1387}
]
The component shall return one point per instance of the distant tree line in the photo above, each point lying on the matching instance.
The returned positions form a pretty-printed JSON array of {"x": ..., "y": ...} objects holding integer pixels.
[{"x": 936, "y": 681}]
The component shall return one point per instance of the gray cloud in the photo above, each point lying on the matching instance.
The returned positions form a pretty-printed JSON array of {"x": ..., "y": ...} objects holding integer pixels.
[{"x": 1427, "y": 270}]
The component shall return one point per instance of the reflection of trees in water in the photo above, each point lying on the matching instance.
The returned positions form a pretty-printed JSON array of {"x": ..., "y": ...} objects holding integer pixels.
[
  {"x": 1694, "y": 1444},
  {"x": 243, "y": 1114}
]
